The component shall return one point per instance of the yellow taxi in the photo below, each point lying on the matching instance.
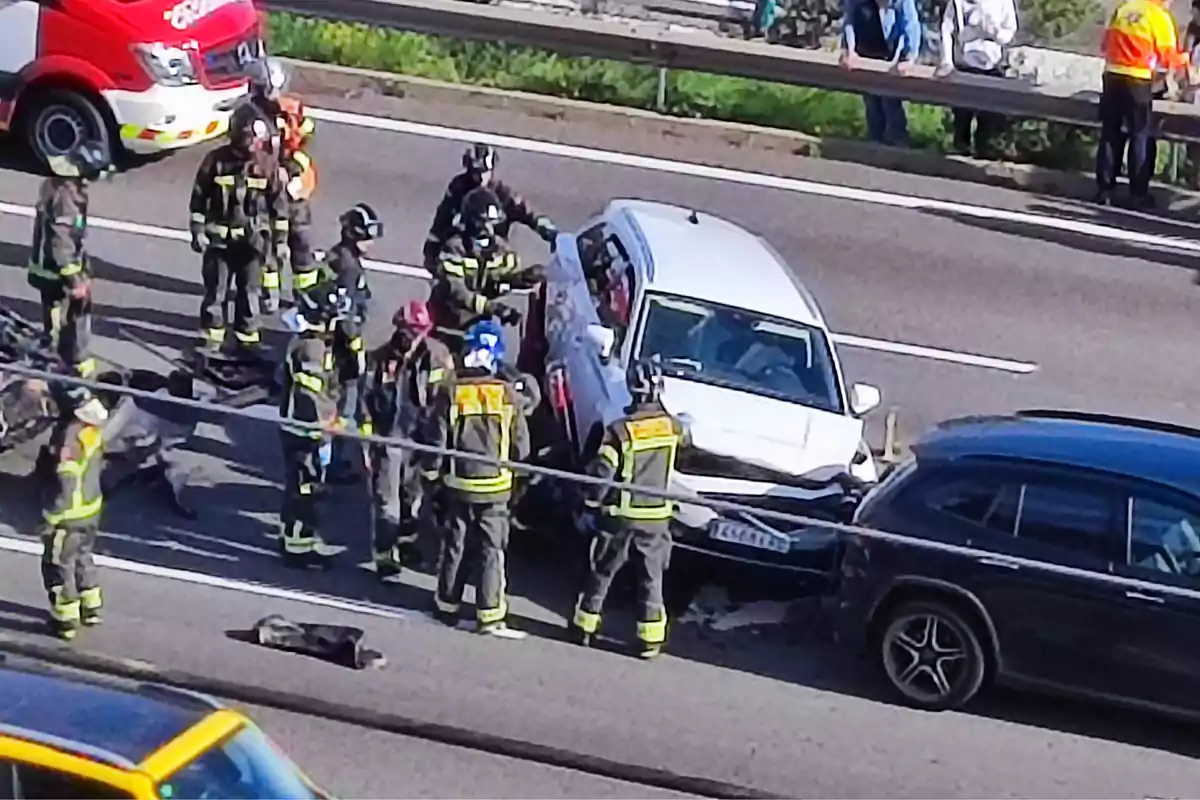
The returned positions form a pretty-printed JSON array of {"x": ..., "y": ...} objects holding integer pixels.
[{"x": 63, "y": 736}]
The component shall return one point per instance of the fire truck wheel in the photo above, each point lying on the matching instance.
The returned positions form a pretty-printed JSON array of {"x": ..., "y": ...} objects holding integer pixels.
[{"x": 57, "y": 120}]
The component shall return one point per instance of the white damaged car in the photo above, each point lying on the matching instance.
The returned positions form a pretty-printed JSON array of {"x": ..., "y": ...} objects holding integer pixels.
[{"x": 747, "y": 358}]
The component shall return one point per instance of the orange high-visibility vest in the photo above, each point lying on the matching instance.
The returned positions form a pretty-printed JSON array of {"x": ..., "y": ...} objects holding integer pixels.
[
  {"x": 1140, "y": 40},
  {"x": 295, "y": 125}
]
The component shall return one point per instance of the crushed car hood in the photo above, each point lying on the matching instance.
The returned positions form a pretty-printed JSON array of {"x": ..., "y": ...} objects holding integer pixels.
[{"x": 769, "y": 433}]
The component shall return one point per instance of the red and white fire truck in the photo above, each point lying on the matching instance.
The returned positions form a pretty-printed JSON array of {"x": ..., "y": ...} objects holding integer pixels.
[{"x": 140, "y": 76}]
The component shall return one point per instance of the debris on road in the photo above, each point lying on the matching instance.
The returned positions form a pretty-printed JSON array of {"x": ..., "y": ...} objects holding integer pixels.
[
  {"x": 713, "y": 608},
  {"x": 338, "y": 644}
]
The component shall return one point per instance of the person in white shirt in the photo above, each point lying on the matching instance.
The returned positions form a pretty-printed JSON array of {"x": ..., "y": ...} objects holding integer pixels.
[{"x": 975, "y": 34}]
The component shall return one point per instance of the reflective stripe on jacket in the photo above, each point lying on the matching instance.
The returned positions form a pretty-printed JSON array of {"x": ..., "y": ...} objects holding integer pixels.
[
  {"x": 78, "y": 498},
  {"x": 639, "y": 449},
  {"x": 1141, "y": 39},
  {"x": 307, "y": 394}
]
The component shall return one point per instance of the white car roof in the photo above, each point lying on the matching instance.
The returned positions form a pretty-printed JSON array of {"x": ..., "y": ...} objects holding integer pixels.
[{"x": 712, "y": 259}]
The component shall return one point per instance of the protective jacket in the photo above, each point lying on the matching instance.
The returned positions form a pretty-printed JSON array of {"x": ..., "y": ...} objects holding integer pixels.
[
  {"x": 639, "y": 448},
  {"x": 308, "y": 385},
  {"x": 77, "y": 496},
  {"x": 402, "y": 389},
  {"x": 343, "y": 265},
  {"x": 440, "y": 232},
  {"x": 58, "y": 255},
  {"x": 467, "y": 284},
  {"x": 1140, "y": 40},
  {"x": 477, "y": 413},
  {"x": 239, "y": 199}
]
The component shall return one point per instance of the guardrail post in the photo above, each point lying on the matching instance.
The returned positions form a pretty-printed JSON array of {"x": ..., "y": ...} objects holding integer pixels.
[
  {"x": 891, "y": 445},
  {"x": 660, "y": 102}
]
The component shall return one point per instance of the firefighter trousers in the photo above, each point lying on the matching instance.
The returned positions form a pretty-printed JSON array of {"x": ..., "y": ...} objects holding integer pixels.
[
  {"x": 69, "y": 571},
  {"x": 68, "y": 323},
  {"x": 483, "y": 527},
  {"x": 301, "y": 257},
  {"x": 303, "y": 475},
  {"x": 609, "y": 552},
  {"x": 396, "y": 501},
  {"x": 232, "y": 285}
]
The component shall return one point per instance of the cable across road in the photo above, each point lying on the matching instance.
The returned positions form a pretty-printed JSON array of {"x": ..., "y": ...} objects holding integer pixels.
[{"x": 209, "y": 407}]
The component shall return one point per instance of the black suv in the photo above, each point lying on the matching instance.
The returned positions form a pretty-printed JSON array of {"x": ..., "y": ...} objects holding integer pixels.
[{"x": 1048, "y": 550}]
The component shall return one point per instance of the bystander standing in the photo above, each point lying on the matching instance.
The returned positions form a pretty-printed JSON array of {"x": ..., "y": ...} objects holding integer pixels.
[
  {"x": 882, "y": 30},
  {"x": 975, "y": 35},
  {"x": 1139, "y": 43}
]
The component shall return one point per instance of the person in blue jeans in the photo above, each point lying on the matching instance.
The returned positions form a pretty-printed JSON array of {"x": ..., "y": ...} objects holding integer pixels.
[{"x": 882, "y": 30}]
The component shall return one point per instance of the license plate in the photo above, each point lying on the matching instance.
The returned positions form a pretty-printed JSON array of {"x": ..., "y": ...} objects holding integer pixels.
[{"x": 739, "y": 533}]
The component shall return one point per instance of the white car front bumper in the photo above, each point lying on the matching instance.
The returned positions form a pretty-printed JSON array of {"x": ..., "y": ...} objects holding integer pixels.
[{"x": 170, "y": 117}]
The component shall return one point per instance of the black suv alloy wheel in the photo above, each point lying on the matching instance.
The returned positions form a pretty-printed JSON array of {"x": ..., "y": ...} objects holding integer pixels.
[{"x": 931, "y": 656}]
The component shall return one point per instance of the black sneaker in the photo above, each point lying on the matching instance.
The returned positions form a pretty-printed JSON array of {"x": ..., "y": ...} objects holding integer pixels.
[
  {"x": 91, "y": 617},
  {"x": 1104, "y": 198}
]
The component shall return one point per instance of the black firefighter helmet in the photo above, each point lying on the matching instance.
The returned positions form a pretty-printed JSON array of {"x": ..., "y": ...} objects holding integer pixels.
[{"x": 87, "y": 160}]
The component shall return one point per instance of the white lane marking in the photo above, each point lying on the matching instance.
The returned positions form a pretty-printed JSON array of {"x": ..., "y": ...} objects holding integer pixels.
[
  {"x": 758, "y": 179},
  {"x": 410, "y": 271},
  {"x": 935, "y": 353},
  {"x": 26, "y": 547}
]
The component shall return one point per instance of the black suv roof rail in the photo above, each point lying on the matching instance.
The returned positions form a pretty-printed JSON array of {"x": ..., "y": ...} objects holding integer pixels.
[
  {"x": 1109, "y": 419},
  {"x": 973, "y": 419}
]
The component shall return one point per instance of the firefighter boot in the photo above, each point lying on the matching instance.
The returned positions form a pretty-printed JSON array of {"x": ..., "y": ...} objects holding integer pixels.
[
  {"x": 91, "y": 602},
  {"x": 64, "y": 615},
  {"x": 583, "y": 626},
  {"x": 389, "y": 565}
]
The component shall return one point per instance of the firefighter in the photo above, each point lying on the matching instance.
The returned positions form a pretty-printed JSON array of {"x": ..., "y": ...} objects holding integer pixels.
[
  {"x": 640, "y": 449},
  {"x": 308, "y": 397},
  {"x": 360, "y": 227},
  {"x": 291, "y": 130},
  {"x": 72, "y": 514},
  {"x": 58, "y": 264},
  {"x": 406, "y": 373},
  {"x": 474, "y": 270},
  {"x": 476, "y": 413},
  {"x": 239, "y": 218},
  {"x": 479, "y": 170}
]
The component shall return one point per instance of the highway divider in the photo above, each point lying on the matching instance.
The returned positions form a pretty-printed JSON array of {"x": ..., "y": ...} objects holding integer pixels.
[{"x": 674, "y": 49}]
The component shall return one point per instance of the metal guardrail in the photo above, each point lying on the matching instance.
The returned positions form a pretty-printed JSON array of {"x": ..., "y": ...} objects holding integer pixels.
[
  {"x": 215, "y": 409},
  {"x": 673, "y": 49}
]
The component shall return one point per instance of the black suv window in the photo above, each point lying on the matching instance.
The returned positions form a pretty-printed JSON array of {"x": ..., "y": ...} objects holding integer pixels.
[
  {"x": 1164, "y": 538},
  {"x": 987, "y": 503},
  {"x": 1071, "y": 518}
]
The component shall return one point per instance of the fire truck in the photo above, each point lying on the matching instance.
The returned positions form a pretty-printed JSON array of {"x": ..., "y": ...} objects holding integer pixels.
[{"x": 140, "y": 76}]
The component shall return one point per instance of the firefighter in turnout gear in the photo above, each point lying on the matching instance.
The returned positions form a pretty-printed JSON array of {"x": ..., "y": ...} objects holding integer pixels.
[
  {"x": 308, "y": 397},
  {"x": 291, "y": 130},
  {"x": 58, "y": 264},
  {"x": 343, "y": 265},
  {"x": 406, "y": 374},
  {"x": 239, "y": 218},
  {"x": 638, "y": 449},
  {"x": 475, "y": 270},
  {"x": 72, "y": 514},
  {"x": 476, "y": 413},
  {"x": 479, "y": 170}
]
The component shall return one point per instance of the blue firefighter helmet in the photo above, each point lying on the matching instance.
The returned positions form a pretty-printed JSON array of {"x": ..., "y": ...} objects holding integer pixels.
[{"x": 483, "y": 345}]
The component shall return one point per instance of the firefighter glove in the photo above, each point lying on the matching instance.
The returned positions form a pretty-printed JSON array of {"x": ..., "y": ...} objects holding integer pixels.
[
  {"x": 547, "y": 229},
  {"x": 199, "y": 239},
  {"x": 507, "y": 314}
]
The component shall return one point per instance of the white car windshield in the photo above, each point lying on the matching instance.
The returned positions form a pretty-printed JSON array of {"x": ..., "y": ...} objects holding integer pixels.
[{"x": 737, "y": 349}]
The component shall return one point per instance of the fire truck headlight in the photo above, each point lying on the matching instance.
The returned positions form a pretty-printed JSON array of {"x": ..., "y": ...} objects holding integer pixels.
[{"x": 168, "y": 66}]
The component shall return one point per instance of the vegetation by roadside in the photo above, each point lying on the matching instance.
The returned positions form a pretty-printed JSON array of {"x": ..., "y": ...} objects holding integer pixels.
[{"x": 689, "y": 94}]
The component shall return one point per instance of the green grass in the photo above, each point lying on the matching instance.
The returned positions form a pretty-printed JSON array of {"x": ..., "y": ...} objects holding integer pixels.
[{"x": 689, "y": 94}]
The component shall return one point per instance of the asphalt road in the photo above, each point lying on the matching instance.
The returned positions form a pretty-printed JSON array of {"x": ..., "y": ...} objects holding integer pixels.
[{"x": 1105, "y": 322}]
